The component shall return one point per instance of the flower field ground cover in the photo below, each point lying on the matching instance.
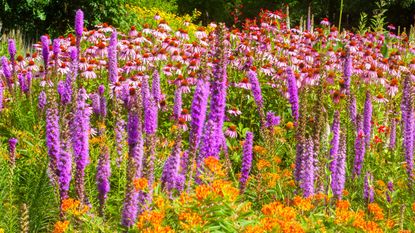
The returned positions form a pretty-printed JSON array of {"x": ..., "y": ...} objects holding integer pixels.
[{"x": 268, "y": 128}]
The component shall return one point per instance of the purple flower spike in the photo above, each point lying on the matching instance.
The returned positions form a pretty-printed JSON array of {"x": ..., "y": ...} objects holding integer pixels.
[
  {"x": 102, "y": 178},
  {"x": 307, "y": 169},
  {"x": 246, "y": 161},
  {"x": 42, "y": 101},
  {"x": 12, "y": 151},
  {"x": 112, "y": 58},
  {"x": 293, "y": 91},
  {"x": 79, "y": 23}
]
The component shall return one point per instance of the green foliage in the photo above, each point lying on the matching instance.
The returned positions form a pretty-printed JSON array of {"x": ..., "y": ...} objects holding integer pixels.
[{"x": 378, "y": 20}]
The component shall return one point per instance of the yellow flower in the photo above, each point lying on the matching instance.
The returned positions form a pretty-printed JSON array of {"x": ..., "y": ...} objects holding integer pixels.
[{"x": 60, "y": 226}]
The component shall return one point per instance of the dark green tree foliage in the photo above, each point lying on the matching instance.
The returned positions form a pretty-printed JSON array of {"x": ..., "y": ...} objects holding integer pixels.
[{"x": 56, "y": 17}]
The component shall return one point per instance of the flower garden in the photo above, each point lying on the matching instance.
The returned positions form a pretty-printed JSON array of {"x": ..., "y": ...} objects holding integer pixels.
[{"x": 267, "y": 128}]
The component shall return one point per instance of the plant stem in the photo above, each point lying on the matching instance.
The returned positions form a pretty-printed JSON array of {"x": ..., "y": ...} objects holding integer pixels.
[{"x": 341, "y": 13}]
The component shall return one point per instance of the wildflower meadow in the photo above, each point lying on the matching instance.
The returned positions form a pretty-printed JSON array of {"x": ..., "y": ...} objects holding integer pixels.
[{"x": 270, "y": 127}]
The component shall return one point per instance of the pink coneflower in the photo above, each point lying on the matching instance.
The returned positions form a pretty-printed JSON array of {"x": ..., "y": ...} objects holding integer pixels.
[
  {"x": 231, "y": 131},
  {"x": 380, "y": 98},
  {"x": 393, "y": 87},
  {"x": 325, "y": 22},
  {"x": 63, "y": 69},
  {"x": 234, "y": 111},
  {"x": 182, "y": 123},
  {"x": 184, "y": 85},
  {"x": 244, "y": 84},
  {"x": 200, "y": 33},
  {"x": 89, "y": 73},
  {"x": 185, "y": 114},
  {"x": 391, "y": 27}
]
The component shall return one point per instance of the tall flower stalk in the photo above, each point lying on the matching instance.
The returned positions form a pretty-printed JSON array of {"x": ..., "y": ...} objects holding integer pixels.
[
  {"x": 246, "y": 161},
  {"x": 80, "y": 143}
]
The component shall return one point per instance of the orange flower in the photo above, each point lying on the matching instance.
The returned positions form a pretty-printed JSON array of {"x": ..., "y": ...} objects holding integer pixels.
[
  {"x": 214, "y": 165},
  {"x": 140, "y": 183},
  {"x": 343, "y": 204},
  {"x": 303, "y": 204},
  {"x": 60, "y": 226},
  {"x": 377, "y": 212},
  {"x": 259, "y": 150},
  {"x": 289, "y": 125},
  {"x": 261, "y": 164},
  {"x": 202, "y": 192},
  {"x": 69, "y": 204}
]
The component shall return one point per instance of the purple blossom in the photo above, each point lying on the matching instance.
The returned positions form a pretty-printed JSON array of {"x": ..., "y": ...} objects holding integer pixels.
[
  {"x": 339, "y": 176},
  {"x": 12, "y": 49},
  {"x": 293, "y": 91},
  {"x": 408, "y": 125},
  {"x": 307, "y": 169},
  {"x": 119, "y": 132},
  {"x": 56, "y": 48},
  {"x": 1, "y": 96},
  {"x": 335, "y": 143},
  {"x": 256, "y": 88},
  {"x": 64, "y": 168},
  {"x": 80, "y": 142},
  {"x": 95, "y": 103},
  {"x": 150, "y": 108},
  {"x": 45, "y": 51},
  {"x": 53, "y": 137},
  {"x": 112, "y": 58},
  {"x": 135, "y": 144},
  {"x": 272, "y": 120},
  {"x": 42, "y": 100},
  {"x": 359, "y": 147},
  {"x": 171, "y": 168},
  {"x": 102, "y": 178},
  {"x": 79, "y": 23},
  {"x": 12, "y": 151},
  {"x": 246, "y": 161},
  {"x": 198, "y": 114}
]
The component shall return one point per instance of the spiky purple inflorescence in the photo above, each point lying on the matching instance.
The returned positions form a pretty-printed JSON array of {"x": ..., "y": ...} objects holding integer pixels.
[
  {"x": 12, "y": 49},
  {"x": 112, "y": 58},
  {"x": 79, "y": 23},
  {"x": 1, "y": 96},
  {"x": 135, "y": 161},
  {"x": 408, "y": 124},
  {"x": 45, "y": 51},
  {"x": 368, "y": 191},
  {"x": 339, "y": 176},
  {"x": 272, "y": 120},
  {"x": 334, "y": 143},
  {"x": 367, "y": 118},
  {"x": 7, "y": 73},
  {"x": 53, "y": 137},
  {"x": 198, "y": 113},
  {"x": 42, "y": 100},
  {"x": 347, "y": 70},
  {"x": 171, "y": 168},
  {"x": 96, "y": 107},
  {"x": 56, "y": 47},
  {"x": 80, "y": 142},
  {"x": 102, "y": 178},
  {"x": 293, "y": 91},
  {"x": 12, "y": 151},
  {"x": 150, "y": 108},
  {"x": 307, "y": 169},
  {"x": 64, "y": 169},
  {"x": 22, "y": 82},
  {"x": 256, "y": 88},
  {"x": 359, "y": 147},
  {"x": 246, "y": 160}
]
